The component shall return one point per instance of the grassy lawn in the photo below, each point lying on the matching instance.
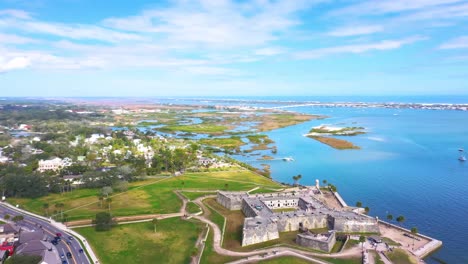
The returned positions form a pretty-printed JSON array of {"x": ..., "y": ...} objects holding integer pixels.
[
  {"x": 152, "y": 196},
  {"x": 137, "y": 243},
  {"x": 399, "y": 256},
  {"x": 344, "y": 261},
  {"x": 279, "y": 210},
  {"x": 194, "y": 195},
  {"x": 210, "y": 256},
  {"x": 285, "y": 260},
  {"x": 377, "y": 258},
  {"x": 390, "y": 242},
  {"x": 193, "y": 208}
]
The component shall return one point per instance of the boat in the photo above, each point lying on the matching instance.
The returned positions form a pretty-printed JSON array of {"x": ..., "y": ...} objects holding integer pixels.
[
  {"x": 462, "y": 158},
  {"x": 288, "y": 159}
]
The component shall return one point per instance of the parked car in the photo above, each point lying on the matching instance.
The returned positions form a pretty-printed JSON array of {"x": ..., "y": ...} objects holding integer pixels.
[
  {"x": 69, "y": 255},
  {"x": 81, "y": 250}
]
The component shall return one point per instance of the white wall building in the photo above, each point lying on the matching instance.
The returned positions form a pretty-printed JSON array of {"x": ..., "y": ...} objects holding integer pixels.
[{"x": 54, "y": 164}]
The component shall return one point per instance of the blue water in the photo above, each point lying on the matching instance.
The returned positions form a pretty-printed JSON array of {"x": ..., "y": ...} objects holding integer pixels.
[{"x": 407, "y": 166}]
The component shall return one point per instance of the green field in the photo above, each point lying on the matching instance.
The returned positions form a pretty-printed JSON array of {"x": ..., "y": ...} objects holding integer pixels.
[
  {"x": 154, "y": 196},
  {"x": 193, "y": 208},
  {"x": 137, "y": 243},
  {"x": 194, "y": 195},
  {"x": 399, "y": 256}
]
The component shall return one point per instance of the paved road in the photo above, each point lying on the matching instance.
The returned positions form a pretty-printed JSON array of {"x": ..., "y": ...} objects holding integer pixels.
[{"x": 33, "y": 223}]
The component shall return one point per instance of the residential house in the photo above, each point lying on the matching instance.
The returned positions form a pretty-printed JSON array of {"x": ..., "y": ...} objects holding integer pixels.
[{"x": 35, "y": 244}]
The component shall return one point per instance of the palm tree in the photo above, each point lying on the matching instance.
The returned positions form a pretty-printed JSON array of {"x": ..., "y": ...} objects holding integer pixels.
[
  {"x": 358, "y": 204},
  {"x": 324, "y": 182},
  {"x": 101, "y": 198},
  {"x": 367, "y": 209},
  {"x": 362, "y": 239},
  {"x": 59, "y": 207},
  {"x": 154, "y": 221},
  {"x": 389, "y": 217},
  {"x": 109, "y": 201},
  {"x": 296, "y": 178},
  {"x": 414, "y": 231},
  {"x": 400, "y": 219},
  {"x": 46, "y": 208}
]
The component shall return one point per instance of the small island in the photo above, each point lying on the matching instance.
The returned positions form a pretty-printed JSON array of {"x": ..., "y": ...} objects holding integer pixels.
[{"x": 324, "y": 133}]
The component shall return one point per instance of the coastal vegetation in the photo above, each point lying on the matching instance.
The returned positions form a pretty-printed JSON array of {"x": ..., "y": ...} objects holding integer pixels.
[
  {"x": 335, "y": 142},
  {"x": 325, "y": 134}
]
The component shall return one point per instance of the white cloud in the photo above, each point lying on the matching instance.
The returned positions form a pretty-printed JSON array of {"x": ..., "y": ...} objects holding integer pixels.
[
  {"x": 15, "y": 63},
  {"x": 15, "y": 13},
  {"x": 355, "y": 30},
  {"x": 391, "y": 6},
  {"x": 14, "y": 39},
  {"x": 358, "y": 48},
  {"x": 220, "y": 24},
  {"x": 457, "y": 43},
  {"x": 269, "y": 51}
]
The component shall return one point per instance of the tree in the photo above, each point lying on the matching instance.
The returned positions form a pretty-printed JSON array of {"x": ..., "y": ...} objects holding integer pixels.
[
  {"x": 103, "y": 221},
  {"x": 367, "y": 209},
  {"x": 414, "y": 231},
  {"x": 7, "y": 217},
  {"x": 183, "y": 184},
  {"x": 400, "y": 219},
  {"x": 358, "y": 204},
  {"x": 106, "y": 190},
  {"x": 59, "y": 207},
  {"x": 389, "y": 217},
  {"x": 155, "y": 222},
  {"x": 324, "y": 182},
  {"x": 362, "y": 239},
  {"x": 109, "y": 201},
  {"x": 46, "y": 208},
  {"x": 226, "y": 186},
  {"x": 101, "y": 198},
  {"x": 18, "y": 218},
  {"x": 121, "y": 186},
  {"x": 297, "y": 178}
]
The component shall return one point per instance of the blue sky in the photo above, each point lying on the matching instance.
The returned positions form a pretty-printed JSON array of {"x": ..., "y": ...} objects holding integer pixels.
[{"x": 222, "y": 47}]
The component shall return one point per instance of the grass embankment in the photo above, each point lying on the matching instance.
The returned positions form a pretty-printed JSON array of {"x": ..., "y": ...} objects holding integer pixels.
[
  {"x": 335, "y": 142},
  {"x": 400, "y": 256},
  {"x": 137, "y": 243},
  {"x": 146, "y": 197}
]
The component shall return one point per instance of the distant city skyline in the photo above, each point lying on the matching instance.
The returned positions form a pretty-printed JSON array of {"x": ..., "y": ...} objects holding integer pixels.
[{"x": 233, "y": 48}]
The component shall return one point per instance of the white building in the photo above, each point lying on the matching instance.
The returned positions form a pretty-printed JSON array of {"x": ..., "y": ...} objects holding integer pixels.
[{"x": 54, "y": 164}]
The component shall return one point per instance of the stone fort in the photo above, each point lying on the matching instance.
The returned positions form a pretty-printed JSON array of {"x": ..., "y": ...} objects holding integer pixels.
[{"x": 262, "y": 223}]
